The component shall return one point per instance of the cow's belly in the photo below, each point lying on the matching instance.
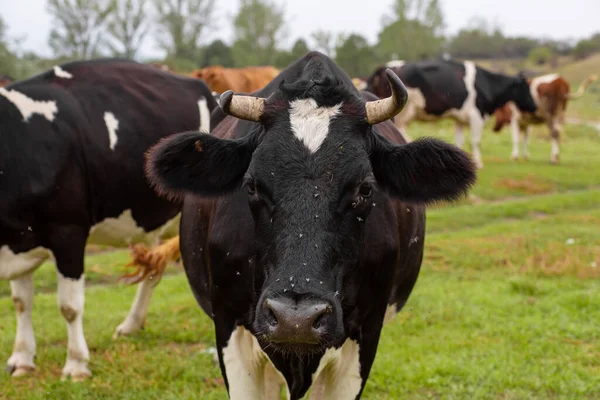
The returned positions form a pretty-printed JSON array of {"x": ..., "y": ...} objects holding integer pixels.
[
  {"x": 13, "y": 265},
  {"x": 123, "y": 231}
]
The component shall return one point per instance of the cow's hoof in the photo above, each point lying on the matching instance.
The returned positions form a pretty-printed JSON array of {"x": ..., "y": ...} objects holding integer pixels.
[
  {"x": 126, "y": 328},
  {"x": 17, "y": 372},
  {"x": 80, "y": 374}
]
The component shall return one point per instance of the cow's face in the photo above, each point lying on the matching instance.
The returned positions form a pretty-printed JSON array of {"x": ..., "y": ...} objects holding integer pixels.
[
  {"x": 313, "y": 168},
  {"x": 377, "y": 83},
  {"x": 521, "y": 95}
]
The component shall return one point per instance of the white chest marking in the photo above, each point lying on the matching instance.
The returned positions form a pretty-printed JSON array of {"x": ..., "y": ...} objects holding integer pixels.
[
  {"x": 27, "y": 106},
  {"x": 204, "y": 115},
  {"x": 15, "y": 265},
  {"x": 250, "y": 373},
  {"x": 310, "y": 123},
  {"x": 61, "y": 73},
  {"x": 338, "y": 374},
  {"x": 112, "y": 124},
  {"x": 123, "y": 231}
]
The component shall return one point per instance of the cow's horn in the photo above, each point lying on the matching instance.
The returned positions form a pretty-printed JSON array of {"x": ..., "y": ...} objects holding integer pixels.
[
  {"x": 384, "y": 109},
  {"x": 243, "y": 107}
]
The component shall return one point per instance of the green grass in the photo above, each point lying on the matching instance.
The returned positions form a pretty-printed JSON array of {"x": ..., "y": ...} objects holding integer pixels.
[{"x": 506, "y": 306}]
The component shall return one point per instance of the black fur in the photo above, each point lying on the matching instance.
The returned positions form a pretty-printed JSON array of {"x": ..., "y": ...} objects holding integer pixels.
[
  {"x": 186, "y": 163},
  {"x": 424, "y": 171}
]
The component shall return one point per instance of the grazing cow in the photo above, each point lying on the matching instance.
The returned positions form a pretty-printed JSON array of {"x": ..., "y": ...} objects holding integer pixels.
[
  {"x": 72, "y": 172},
  {"x": 246, "y": 80},
  {"x": 551, "y": 93},
  {"x": 305, "y": 223},
  {"x": 462, "y": 91}
]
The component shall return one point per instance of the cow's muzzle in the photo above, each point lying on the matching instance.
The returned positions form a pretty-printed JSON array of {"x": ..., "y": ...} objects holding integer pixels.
[{"x": 301, "y": 323}]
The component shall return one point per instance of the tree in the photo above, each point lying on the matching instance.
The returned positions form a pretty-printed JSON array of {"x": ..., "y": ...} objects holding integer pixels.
[
  {"x": 540, "y": 55},
  {"x": 414, "y": 31},
  {"x": 8, "y": 59},
  {"x": 128, "y": 27},
  {"x": 78, "y": 26},
  {"x": 324, "y": 42},
  {"x": 258, "y": 28},
  {"x": 285, "y": 57},
  {"x": 355, "y": 56},
  {"x": 180, "y": 25},
  {"x": 217, "y": 53}
]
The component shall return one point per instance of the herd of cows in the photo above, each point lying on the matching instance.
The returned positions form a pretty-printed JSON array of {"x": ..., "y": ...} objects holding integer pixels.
[{"x": 295, "y": 198}]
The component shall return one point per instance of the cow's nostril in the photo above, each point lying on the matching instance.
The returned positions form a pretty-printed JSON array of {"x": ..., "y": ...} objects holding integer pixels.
[
  {"x": 270, "y": 316},
  {"x": 320, "y": 320}
]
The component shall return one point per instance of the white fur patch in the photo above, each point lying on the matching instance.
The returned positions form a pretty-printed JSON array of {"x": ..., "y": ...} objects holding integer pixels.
[
  {"x": 15, "y": 265},
  {"x": 310, "y": 123},
  {"x": 112, "y": 124},
  {"x": 27, "y": 106},
  {"x": 247, "y": 367},
  {"x": 61, "y": 73},
  {"x": 204, "y": 115},
  {"x": 535, "y": 84},
  {"x": 395, "y": 63},
  {"x": 338, "y": 374},
  {"x": 123, "y": 231}
]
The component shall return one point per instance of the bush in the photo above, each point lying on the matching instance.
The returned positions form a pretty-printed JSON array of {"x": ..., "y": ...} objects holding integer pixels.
[{"x": 540, "y": 55}]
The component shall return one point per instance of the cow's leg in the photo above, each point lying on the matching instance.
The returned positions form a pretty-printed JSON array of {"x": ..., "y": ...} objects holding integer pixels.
[
  {"x": 21, "y": 360},
  {"x": 139, "y": 309},
  {"x": 476, "y": 121},
  {"x": 516, "y": 137},
  {"x": 459, "y": 136},
  {"x": 555, "y": 129},
  {"x": 526, "y": 132},
  {"x": 69, "y": 252}
]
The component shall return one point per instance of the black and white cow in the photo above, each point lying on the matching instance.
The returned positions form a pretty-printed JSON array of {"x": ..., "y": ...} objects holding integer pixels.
[
  {"x": 462, "y": 91},
  {"x": 305, "y": 224},
  {"x": 72, "y": 172}
]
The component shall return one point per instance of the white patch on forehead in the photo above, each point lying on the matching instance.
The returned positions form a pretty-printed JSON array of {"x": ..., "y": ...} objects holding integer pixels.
[
  {"x": 61, "y": 73},
  {"x": 250, "y": 373},
  {"x": 204, "y": 115},
  {"x": 310, "y": 123},
  {"x": 338, "y": 374},
  {"x": 14, "y": 265},
  {"x": 27, "y": 106},
  {"x": 123, "y": 231},
  {"x": 112, "y": 124},
  {"x": 395, "y": 63}
]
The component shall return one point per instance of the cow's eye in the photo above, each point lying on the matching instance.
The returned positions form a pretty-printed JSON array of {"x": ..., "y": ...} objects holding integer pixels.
[
  {"x": 251, "y": 187},
  {"x": 365, "y": 190}
]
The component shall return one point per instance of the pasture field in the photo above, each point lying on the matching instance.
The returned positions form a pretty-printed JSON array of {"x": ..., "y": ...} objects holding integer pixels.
[{"x": 506, "y": 306}]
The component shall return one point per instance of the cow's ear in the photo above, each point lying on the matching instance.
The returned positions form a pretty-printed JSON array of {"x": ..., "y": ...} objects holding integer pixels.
[
  {"x": 193, "y": 162},
  {"x": 423, "y": 171}
]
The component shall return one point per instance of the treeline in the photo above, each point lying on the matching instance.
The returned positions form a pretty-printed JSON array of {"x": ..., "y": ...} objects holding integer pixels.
[{"x": 411, "y": 30}]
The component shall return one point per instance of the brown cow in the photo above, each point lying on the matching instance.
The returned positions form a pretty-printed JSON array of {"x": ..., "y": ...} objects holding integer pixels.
[
  {"x": 249, "y": 79},
  {"x": 551, "y": 93}
]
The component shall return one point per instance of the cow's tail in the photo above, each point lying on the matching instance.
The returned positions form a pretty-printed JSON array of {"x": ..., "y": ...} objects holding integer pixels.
[
  {"x": 151, "y": 262},
  {"x": 586, "y": 82}
]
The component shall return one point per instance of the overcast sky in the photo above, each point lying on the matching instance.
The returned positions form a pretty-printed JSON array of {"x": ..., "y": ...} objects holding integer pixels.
[{"x": 558, "y": 19}]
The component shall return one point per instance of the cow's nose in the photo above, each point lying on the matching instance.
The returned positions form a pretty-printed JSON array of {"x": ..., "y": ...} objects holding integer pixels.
[{"x": 305, "y": 321}]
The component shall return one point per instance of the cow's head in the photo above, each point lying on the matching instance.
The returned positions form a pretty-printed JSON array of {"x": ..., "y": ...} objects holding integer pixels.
[
  {"x": 313, "y": 167},
  {"x": 519, "y": 92},
  {"x": 376, "y": 83}
]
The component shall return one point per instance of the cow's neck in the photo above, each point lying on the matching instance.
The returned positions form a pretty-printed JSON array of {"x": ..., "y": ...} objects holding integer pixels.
[{"x": 497, "y": 88}]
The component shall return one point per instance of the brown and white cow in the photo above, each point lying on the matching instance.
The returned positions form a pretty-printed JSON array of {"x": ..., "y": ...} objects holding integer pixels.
[{"x": 551, "y": 93}]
